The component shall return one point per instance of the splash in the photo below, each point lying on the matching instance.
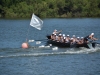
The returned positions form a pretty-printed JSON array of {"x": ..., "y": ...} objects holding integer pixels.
[
  {"x": 81, "y": 51},
  {"x": 51, "y": 52}
]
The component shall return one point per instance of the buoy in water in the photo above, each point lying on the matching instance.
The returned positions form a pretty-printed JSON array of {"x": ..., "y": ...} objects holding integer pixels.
[{"x": 25, "y": 45}]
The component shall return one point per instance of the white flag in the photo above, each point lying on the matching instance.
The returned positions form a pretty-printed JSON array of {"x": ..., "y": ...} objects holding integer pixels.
[{"x": 36, "y": 22}]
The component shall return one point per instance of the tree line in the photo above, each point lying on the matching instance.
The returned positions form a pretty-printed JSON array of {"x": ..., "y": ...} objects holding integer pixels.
[{"x": 49, "y": 8}]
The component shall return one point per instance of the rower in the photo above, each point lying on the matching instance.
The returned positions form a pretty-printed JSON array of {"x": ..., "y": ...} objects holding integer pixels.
[
  {"x": 81, "y": 40},
  {"x": 89, "y": 37},
  {"x": 68, "y": 37},
  {"x": 72, "y": 41},
  {"x": 92, "y": 37},
  {"x": 74, "y": 38},
  {"x": 78, "y": 40},
  {"x": 55, "y": 36},
  {"x": 59, "y": 38},
  {"x": 67, "y": 40},
  {"x": 63, "y": 38},
  {"x": 52, "y": 36}
]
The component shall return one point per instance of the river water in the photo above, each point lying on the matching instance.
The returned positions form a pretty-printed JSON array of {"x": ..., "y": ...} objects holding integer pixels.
[{"x": 48, "y": 61}]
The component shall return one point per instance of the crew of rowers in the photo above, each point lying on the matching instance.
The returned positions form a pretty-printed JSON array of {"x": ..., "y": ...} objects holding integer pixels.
[{"x": 57, "y": 36}]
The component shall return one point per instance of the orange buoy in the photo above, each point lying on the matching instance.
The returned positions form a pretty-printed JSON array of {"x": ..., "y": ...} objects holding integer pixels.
[{"x": 25, "y": 45}]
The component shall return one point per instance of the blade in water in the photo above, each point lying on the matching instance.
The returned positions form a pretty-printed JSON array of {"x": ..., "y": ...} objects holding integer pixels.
[
  {"x": 36, "y": 22},
  {"x": 90, "y": 45}
]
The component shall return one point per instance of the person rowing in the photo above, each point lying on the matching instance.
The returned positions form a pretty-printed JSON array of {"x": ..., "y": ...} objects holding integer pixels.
[
  {"x": 89, "y": 37},
  {"x": 74, "y": 38},
  {"x": 78, "y": 40},
  {"x": 67, "y": 39},
  {"x": 59, "y": 38},
  {"x": 81, "y": 40},
  {"x": 54, "y": 37},
  {"x": 63, "y": 38}
]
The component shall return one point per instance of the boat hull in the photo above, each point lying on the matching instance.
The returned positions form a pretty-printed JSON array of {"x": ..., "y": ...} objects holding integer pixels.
[{"x": 59, "y": 44}]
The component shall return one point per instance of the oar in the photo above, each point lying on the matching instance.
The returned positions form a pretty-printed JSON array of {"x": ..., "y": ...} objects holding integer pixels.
[
  {"x": 98, "y": 42},
  {"x": 42, "y": 40},
  {"x": 90, "y": 45},
  {"x": 37, "y": 40}
]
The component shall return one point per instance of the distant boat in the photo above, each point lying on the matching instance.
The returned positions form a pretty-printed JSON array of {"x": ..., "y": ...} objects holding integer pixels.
[{"x": 60, "y": 44}]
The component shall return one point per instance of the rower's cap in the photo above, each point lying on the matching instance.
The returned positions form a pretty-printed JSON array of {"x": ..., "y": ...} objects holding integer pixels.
[
  {"x": 54, "y": 34},
  {"x": 73, "y": 35},
  {"x": 92, "y": 33},
  {"x": 63, "y": 35},
  {"x": 67, "y": 35},
  {"x": 78, "y": 37},
  {"x": 55, "y": 30},
  {"x": 59, "y": 34},
  {"x": 81, "y": 37},
  {"x": 71, "y": 38}
]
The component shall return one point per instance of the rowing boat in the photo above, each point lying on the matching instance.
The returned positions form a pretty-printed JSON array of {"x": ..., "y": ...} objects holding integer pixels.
[{"x": 75, "y": 45}]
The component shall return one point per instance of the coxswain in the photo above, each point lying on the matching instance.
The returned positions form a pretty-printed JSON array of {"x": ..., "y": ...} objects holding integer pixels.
[{"x": 57, "y": 32}]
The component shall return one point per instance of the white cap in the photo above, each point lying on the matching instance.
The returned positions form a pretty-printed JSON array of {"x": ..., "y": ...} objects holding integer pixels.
[
  {"x": 54, "y": 34},
  {"x": 71, "y": 38},
  {"x": 78, "y": 37},
  {"x": 63, "y": 35},
  {"x": 73, "y": 35},
  {"x": 67, "y": 35},
  {"x": 92, "y": 33},
  {"x": 59, "y": 34},
  {"x": 81, "y": 37},
  {"x": 55, "y": 30}
]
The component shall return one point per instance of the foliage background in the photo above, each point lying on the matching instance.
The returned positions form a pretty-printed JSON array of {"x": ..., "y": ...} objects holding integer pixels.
[{"x": 49, "y": 8}]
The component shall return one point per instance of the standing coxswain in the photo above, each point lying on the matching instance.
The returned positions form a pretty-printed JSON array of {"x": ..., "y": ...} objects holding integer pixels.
[{"x": 56, "y": 32}]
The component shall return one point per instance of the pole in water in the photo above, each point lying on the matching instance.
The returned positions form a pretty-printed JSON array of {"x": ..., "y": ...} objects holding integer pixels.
[{"x": 25, "y": 45}]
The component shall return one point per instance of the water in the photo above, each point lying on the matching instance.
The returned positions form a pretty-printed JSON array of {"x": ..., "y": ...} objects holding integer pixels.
[{"x": 48, "y": 61}]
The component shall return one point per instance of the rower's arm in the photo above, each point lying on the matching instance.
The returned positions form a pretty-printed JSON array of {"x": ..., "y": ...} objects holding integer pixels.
[{"x": 95, "y": 38}]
